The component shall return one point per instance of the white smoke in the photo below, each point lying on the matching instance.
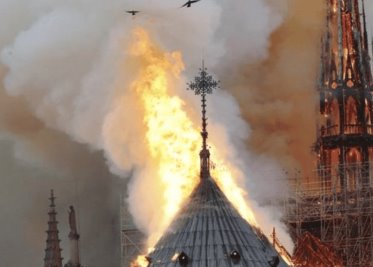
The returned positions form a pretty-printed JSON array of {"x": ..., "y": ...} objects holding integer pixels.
[{"x": 62, "y": 59}]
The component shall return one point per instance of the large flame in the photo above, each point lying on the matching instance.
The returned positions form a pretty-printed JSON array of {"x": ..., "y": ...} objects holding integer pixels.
[
  {"x": 172, "y": 138},
  {"x": 140, "y": 261}
]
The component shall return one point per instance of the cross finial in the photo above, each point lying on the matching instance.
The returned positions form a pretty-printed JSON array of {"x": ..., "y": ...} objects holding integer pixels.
[{"x": 204, "y": 84}]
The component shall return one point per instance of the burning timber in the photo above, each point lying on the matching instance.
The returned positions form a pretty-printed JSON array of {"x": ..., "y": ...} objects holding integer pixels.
[
  {"x": 311, "y": 252},
  {"x": 337, "y": 207}
]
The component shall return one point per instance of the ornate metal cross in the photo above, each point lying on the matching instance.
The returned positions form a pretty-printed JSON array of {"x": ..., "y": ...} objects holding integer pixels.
[{"x": 204, "y": 84}]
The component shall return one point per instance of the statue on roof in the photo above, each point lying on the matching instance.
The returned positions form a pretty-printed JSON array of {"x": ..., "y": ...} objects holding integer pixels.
[{"x": 72, "y": 222}]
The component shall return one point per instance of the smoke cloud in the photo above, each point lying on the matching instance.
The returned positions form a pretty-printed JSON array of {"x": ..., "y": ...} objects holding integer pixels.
[
  {"x": 65, "y": 72},
  {"x": 277, "y": 95}
]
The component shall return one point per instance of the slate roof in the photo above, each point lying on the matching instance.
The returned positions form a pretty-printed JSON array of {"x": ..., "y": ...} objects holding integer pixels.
[{"x": 209, "y": 232}]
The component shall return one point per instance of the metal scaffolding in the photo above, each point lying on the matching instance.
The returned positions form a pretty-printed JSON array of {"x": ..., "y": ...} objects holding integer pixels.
[
  {"x": 132, "y": 240},
  {"x": 341, "y": 217}
]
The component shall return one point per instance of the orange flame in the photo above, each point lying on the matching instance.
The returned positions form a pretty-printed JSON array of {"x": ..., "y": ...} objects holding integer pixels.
[
  {"x": 172, "y": 138},
  {"x": 140, "y": 261}
]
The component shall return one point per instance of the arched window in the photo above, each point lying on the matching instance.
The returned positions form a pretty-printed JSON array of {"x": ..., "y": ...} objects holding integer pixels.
[
  {"x": 333, "y": 119},
  {"x": 368, "y": 115},
  {"x": 353, "y": 160},
  {"x": 351, "y": 115}
]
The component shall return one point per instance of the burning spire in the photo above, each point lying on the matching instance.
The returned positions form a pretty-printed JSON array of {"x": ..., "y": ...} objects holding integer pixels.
[
  {"x": 203, "y": 85},
  {"x": 344, "y": 145},
  {"x": 345, "y": 135},
  {"x": 345, "y": 49},
  {"x": 53, "y": 251}
]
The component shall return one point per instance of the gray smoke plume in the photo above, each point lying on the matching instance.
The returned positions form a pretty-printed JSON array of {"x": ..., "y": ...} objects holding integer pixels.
[
  {"x": 63, "y": 70},
  {"x": 277, "y": 95}
]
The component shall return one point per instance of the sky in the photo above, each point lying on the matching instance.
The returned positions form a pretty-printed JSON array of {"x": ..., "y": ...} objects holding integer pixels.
[{"x": 59, "y": 67}]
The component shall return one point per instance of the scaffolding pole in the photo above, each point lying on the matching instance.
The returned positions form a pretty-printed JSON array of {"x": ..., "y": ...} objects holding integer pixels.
[
  {"x": 132, "y": 240},
  {"x": 341, "y": 217}
]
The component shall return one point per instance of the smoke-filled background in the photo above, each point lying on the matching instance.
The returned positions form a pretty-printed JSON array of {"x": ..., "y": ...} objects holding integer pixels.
[{"x": 63, "y": 66}]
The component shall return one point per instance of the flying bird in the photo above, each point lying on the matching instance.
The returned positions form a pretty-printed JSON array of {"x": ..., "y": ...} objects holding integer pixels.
[
  {"x": 132, "y": 12},
  {"x": 189, "y": 3}
]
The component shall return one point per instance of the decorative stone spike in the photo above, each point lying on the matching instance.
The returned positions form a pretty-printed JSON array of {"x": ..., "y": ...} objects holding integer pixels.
[{"x": 53, "y": 251}]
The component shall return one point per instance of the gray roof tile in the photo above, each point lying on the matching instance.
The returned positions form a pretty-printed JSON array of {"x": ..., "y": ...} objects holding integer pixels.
[{"x": 207, "y": 229}]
